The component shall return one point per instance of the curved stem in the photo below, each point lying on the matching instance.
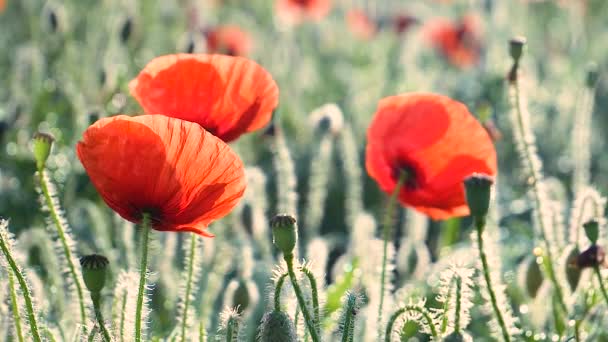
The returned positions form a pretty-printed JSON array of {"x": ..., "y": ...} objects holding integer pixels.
[
  {"x": 315, "y": 296},
  {"x": 386, "y": 233},
  {"x": 142, "y": 274},
  {"x": 596, "y": 269},
  {"x": 421, "y": 310},
  {"x": 61, "y": 232},
  {"x": 528, "y": 159},
  {"x": 277, "y": 291},
  {"x": 193, "y": 238},
  {"x": 96, "y": 298},
  {"x": 296, "y": 288},
  {"x": 479, "y": 225},
  {"x": 24, "y": 290},
  {"x": 15, "y": 306}
]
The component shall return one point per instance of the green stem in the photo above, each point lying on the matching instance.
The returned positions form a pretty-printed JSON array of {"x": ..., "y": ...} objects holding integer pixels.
[
  {"x": 192, "y": 251},
  {"x": 15, "y": 306},
  {"x": 315, "y": 296},
  {"x": 536, "y": 178},
  {"x": 386, "y": 233},
  {"x": 123, "y": 317},
  {"x": 446, "y": 308},
  {"x": 277, "y": 291},
  {"x": 347, "y": 336},
  {"x": 31, "y": 316},
  {"x": 202, "y": 333},
  {"x": 458, "y": 305},
  {"x": 421, "y": 310},
  {"x": 92, "y": 334},
  {"x": 61, "y": 232},
  {"x": 142, "y": 274},
  {"x": 296, "y": 288},
  {"x": 96, "y": 298},
  {"x": 596, "y": 269},
  {"x": 479, "y": 225},
  {"x": 231, "y": 329}
]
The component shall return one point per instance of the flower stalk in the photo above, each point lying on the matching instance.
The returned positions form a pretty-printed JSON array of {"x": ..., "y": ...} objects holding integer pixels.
[
  {"x": 143, "y": 269},
  {"x": 418, "y": 309}
]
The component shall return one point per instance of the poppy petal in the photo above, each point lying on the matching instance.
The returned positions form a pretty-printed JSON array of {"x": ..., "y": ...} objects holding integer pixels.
[{"x": 226, "y": 95}]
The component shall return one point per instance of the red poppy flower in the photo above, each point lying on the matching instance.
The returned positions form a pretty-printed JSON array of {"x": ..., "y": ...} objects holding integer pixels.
[
  {"x": 403, "y": 22},
  {"x": 296, "y": 11},
  {"x": 228, "y": 40},
  {"x": 437, "y": 142},
  {"x": 226, "y": 95},
  {"x": 458, "y": 42},
  {"x": 360, "y": 24},
  {"x": 180, "y": 174}
]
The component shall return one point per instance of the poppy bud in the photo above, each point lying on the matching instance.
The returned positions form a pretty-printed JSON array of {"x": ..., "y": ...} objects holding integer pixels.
[
  {"x": 53, "y": 20},
  {"x": 284, "y": 233},
  {"x": 457, "y": 337},
  {"x": 592, "y": 230},
  {"x": 241, "y": 297},
  {"x": 478, "y": 190},
  {"x": 277, "y": 326},
  {"x": 532, "y": 276},
  {"x": 42, "y": 148},
  {"x": 516, "y": 47},
  {"x": 592, "y": 75},
  {"x": 592, "y": 257},
  {"x": 94, "y": 271},
  {"x": 573, "y": 272},
  {"x": 125, "y": 30}
]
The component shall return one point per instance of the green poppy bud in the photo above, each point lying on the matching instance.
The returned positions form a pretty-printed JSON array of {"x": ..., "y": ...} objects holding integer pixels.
[
  {"x": 94, "y": 271},
  {"x": 516, "y": 47},
  {"x": 478, "y": 190},
  {"x": 573, "y": 272},
  {"x": 592, "y": 230},
  {"x": 592, "y": 75},
  {"x": 42, "y": 148},
  {"x": 457, "y": 337},
  {"x": 284, "y": 233},
  {"x": 531, "y": 277},
  {"x": 276, "y": 326}
]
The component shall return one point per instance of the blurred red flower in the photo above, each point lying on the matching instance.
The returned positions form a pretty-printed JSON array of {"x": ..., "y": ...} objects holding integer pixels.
[
  {"x": 296, "y": 11},
  {"x": 180, "y": 174},
  {"x": 403, "y": 22},
  {"x": 226, "y": 95},
  {"x": 459, "y": 42},
  {"x": 360, "y": 24},
  {"x": 2, "y": 5},
  {"x": 437, "y": 142},
  {"x": 228, "y": 40}
]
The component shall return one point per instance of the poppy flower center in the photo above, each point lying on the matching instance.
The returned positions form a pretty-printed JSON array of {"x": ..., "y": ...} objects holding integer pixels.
[
  {"x": 153, "y": 212},
  {"x": 408, "y": 172}
]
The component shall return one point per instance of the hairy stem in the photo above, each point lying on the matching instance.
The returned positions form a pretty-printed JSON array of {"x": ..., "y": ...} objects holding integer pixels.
[
  {"x": 458, "y": 304},
  {"x": 31, "y": 315},
  {"x": 231, "y": 329},
  {"x": 386, "y": 234},
  {"x": 61, "y": 232},
  {"x": 15, "y": 306},
  {"x": 596, "y": 269},
  {"x": 479, "y": 225},
  {"x": 348, "y": 324},
  {"x": 123, "y": 316},
  {"x": 142, "y": 274},
  {"x": 96, "y": 299},
  {"x": 302, "y": 304},
  {"x": 277, "y": 291},
  {"x": 315, "y": 296},
  {"x": 193, "y": 238},
  {"x": 421, "y": 310}
]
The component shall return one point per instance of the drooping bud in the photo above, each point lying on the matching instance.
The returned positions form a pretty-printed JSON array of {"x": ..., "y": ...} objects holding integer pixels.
[
  {"x": 242, "y": 294},
  {"x": 592, "y": 230},
  {"x": 531, "y": 275},
  {"x": 94, "y": 268},
  {"x": 276, "y": 326},
  {"x": 458, "y": 337},
  {"x": 284, "y": 233},
  {"x": 516, "y": 47},
  {"x": 126, "y": 29},
  {"x": 43, "y": 142},
  {"x": 573, "y": 272},
  {"x": 593, "y": 256},
  {"x": 592, "y": 75},
  {"x": 478, "y": 191}
]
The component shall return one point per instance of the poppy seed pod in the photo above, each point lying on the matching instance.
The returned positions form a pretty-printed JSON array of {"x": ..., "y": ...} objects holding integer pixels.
[
  {"x": 516, "y": 47},
  {"x": 592, "y": 230},
  {"x": 592, "y": 75},
  {"x": 276, "y": 326},
  {"x": 284, "y": 233},
  {"x": 94, "y": 271},
  {"x": 593, "y": 256},
  {"x": 478, "y": 189},
  {"x": 42, "y": 148}
]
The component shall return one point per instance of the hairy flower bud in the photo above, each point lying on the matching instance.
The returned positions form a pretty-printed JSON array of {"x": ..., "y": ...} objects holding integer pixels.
[
  {"x": 94, "y": 271},
  {"x": 276, "y": 326},
  {"x": 42, "y": 148},
  {"x": 573, "y": 272},
  {"x": 592, "y": 230},
  {"x": 478, "y": 190},
  {"x": 284, "y": 233},
  {"x": 593, "y": 256},
  {"x": 516, "y": 47},
  {"x": 531, "y": 275}
]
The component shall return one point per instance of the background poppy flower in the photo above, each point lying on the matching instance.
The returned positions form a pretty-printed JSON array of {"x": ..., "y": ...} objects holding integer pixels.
[
  {"x": 458, "y": 42},
  {"x": 226, "y": 95},
  {"x": 228, "y": 40},
  {"x": 173, "y": 169},
  {"x": 437, "y": 142},
  {"x": 360, "y": 24},
  {"x": 296, "y": 11}
]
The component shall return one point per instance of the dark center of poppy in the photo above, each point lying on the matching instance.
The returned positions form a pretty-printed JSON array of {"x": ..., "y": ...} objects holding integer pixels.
[
  {"x": 408, "y": 174},
  {"x": 154, "y": 213}
]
